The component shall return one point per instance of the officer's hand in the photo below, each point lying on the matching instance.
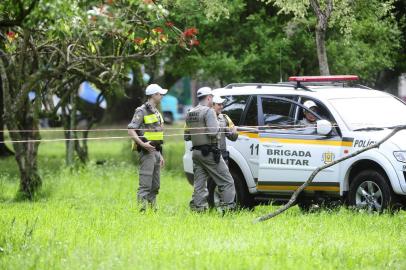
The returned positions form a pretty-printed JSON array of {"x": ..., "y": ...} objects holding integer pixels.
[
  {"x": 147, "y": 146},
  {"x": 162, "y": 161}
]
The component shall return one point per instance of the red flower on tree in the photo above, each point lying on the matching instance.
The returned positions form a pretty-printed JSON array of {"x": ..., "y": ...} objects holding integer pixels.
[
  {"x": 11, "y": 34},
  {"x": 194, "y": 42},
  {"x": 158, "y": 30},
  {"x": 138, "y": 40},
  {"x": 190, "y": 32}
]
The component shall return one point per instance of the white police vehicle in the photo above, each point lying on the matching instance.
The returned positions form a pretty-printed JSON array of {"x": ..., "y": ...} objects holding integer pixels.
[{"x": 274, "y": 155}]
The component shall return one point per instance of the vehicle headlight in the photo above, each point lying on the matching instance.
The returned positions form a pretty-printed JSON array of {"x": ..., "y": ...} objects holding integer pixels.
[{"x": 400, "y": 156}]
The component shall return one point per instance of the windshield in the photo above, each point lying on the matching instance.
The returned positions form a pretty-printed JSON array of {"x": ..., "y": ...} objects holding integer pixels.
[{"x": 370, "y": 112}]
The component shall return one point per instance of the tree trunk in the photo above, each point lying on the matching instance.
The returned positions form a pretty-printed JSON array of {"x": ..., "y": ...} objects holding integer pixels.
[
  {"x": 81, "y": 145},
  {"x": 24, "y": 120},
  {"x": 321, "y": 51},
  {"x": 321, "y": 28},
  {"x": 70, "y": 132},
  {"x": 4, "y": 150},
  {"x": 26, "y": 157}
]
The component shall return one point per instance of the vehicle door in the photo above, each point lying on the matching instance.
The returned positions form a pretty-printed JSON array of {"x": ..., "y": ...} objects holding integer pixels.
[
  {"x": 243, "y": 111},
  {"x": 290, "y": 152}
]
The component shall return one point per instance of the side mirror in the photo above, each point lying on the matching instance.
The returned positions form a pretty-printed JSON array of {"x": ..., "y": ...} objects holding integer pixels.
[{"x": 324, "y": 127}]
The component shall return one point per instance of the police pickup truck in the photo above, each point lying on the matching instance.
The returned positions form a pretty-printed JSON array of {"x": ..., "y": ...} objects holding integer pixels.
[{"x": 275, "y": 153}]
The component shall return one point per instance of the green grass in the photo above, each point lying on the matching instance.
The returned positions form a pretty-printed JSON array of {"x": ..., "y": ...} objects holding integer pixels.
[{"x": 87, "y": 218}]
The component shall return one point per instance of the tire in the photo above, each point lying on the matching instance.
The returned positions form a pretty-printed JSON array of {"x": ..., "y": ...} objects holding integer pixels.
[
  {"x": 243, "y": 198},
  {"x": 309, "y": 206},
  {"x": 305, "y": 206},
  {"x": 370, "y": 190}
]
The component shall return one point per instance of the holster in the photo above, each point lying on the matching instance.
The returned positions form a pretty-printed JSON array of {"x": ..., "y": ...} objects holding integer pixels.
[
  {"x": 216, "y": 154},
  {"x": 206, "y": 149}
]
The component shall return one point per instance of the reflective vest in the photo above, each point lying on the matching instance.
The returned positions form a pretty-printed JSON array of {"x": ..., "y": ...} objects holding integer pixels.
[
  {"x": 151, "y": 128},
  {"x": 150, "y": 121}
]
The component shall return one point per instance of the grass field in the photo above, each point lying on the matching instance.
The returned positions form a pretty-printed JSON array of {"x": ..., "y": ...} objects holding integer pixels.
[{"x": 86, "y": 218}]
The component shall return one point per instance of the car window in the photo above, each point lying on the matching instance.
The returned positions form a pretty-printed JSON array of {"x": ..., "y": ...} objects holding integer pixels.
[
  {"x": 251, "y": 115},
  {"x": 322, "y": 111},
  {"x": 277, "y": 113},
  {"x": 234, "y": 107}
]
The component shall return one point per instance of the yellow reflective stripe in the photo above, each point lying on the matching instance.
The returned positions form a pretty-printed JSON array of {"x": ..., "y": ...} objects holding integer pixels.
[
  {"x": 296, "y": 141},
  {"x": 291, "y": 188},
  {"x": 154, "y": 136},
  {"x": 150, "y": 119}
]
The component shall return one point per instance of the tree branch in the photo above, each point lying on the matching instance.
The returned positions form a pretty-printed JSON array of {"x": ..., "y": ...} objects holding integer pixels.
[
  {"x": 313, "y": 175},
  {"x": 21, "y": 16}
]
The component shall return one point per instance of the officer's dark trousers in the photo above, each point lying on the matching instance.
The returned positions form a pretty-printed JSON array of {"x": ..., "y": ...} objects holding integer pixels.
[
  {"x": 205, "y": 167},
  {"x": 149, "y": 174}
]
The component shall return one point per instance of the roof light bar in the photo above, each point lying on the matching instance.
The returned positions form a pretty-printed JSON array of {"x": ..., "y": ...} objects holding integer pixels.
[{"x": 323, "y": 78}]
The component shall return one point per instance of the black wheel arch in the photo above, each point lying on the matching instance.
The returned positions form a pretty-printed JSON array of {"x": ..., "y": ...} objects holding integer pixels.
[{"x": 362, "y": 165}]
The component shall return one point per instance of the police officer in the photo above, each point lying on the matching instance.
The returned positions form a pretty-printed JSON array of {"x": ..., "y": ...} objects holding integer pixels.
[
  {"x": 202, "y": 128},
  {"x": 227, "y": 128},
  {"x": 309, "y": 122},
  {"x": 146, "y": 129}
]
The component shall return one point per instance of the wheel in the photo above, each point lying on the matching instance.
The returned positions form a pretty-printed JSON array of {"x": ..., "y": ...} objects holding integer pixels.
[
  {"x": 305, "y": 206},
  {"x": 308, "y": 206},
  {"x": 370, "y": 190},
  {"x": 243, "y": 198}
]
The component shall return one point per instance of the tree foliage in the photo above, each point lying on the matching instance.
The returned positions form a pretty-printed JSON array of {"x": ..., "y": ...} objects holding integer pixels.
[
  {"x": 51, "y": 46},
  {"x": 259, "y": 42}
]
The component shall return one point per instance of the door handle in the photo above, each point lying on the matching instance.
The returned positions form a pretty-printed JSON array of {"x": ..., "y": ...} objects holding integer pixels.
[{"x": 241, "y": 138}]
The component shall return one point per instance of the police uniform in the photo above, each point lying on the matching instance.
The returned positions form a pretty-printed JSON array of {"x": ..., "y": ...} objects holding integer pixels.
[
  {"x": 226, "y": 131},
  {"x": 307, "y": 127},
  {"x": 148, "y": 123},
  {"x": 202, "y": 129}
]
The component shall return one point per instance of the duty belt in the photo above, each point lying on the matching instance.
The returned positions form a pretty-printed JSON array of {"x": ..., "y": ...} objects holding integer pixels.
[
  {"x": 158, "y": 146},
  {"x": 207, "y": 148}
]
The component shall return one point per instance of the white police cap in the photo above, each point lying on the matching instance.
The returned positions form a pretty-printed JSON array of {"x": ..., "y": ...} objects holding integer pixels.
[
  {"x": 155, "y": 88},
  {"x": 204, "y": 91},
  {"x": 217, "y": 99},
  {"x": 309, "y": 103}
]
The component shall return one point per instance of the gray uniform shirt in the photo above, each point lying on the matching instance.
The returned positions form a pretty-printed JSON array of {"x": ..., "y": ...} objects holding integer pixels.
[
  {"x": 203, "y": 124},
  {"x": 308, "y": 127}
]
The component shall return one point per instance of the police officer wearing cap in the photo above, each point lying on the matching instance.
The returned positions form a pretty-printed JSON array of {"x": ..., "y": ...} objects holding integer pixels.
[
  {"x": 309, "y": 122},
  {"x": 227, "y": 128},
  {"x": 146, "y": 130},
  {"x": 202, "y": 128}
]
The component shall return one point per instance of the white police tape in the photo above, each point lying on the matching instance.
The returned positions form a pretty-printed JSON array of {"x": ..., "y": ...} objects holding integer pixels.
[{"x": 117, "y": 137}]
